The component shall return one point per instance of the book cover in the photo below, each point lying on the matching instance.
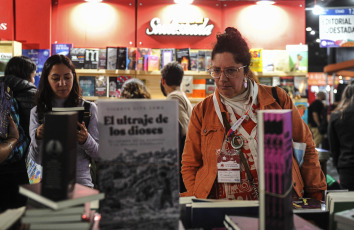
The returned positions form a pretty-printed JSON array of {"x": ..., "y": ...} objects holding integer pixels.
[
  {"x": 208, "y": 59},
  {"x": 9, "y": 217},
  {"x": 167, "y": 56},
  {"x": 140, "y": 55},
  {"x": 131, "y": 58},
  {"x": 275, "y": 61},
  {"x": 48, "y": 219},
  {"x": 120, "y": 82},
  {"x": 59, "y": 151},
  {"x": 153, "y": 63},
  {"x": 102, "y": 58},
  {"x": 122, "y": 57},
  {"x": 34, "y": 209},
  {"x": 208, "y": 215},
  {"x": 209, "y": 86},
  {"x": 38, "y": 56},
  {"x": 198, "y": 88},
  {"x": 266, "y": 80},
  {"x": 87, "y": 84},
  {"x": 201, "y": 61},
  {"x": 182, "y": 56},
  {"x": 77, "y": 225},
  {"x": 256, "y": 59},
  {"x": 187, "y": 85},
  {"x": 112, "y": 56},
  {"x": 138, "y": 152},
  {"x": 63, "y": 49},
  {"x": 34, "y": 171},
  {"x": 112, "y": 91},
  {"x": 80, "y": 195},
  {"x": 91, "y": 59},
  {"x": 337, "y": 202},
  {"x": 251, "y": 223},
  {"x": 298, "y": 58},
  {"x": 275, "y": 164},
  {"x": 77, "y": 56},
  {"x": 345, "y": 218},
  {"x": 4, "y": 59},
  {"x": 194, "y": 59},
  {"x": 146, "y": 62},
  {"x": 101, "y": 86}
]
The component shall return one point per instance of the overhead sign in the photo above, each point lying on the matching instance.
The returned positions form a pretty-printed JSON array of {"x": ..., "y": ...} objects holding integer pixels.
[
  {"x": 178, "y": 28},
  {"x": 337, "y": 28}
]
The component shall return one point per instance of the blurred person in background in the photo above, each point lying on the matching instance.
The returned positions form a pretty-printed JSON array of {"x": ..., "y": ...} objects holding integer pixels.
[{"x": 341, "y": 136}]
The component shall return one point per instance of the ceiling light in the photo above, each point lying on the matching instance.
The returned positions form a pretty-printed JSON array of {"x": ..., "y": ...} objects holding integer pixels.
[
  {"x": 312, "y": 32},
  {"x": 265, "y": 2},
  {"x": 183, "y": 1},
  {"x": 93, "y": 0},
  {"x": 317, "y": 10},
  {"x": 308, "y": 29}
]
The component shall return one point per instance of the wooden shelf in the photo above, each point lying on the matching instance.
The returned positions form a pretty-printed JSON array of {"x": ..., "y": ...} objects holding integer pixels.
[
  {"x": 152, "y": 79},
  {"x": 279, "y": 74}
]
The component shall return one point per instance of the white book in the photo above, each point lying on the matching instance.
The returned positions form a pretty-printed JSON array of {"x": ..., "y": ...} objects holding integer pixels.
[
  {"x": 61, "y": 226},
  {"x": 80, "y": 195},
  {"x": 50, "y": 219},
  {"x": 67, "y": 109},
  {"x": 32, "y": 211}
]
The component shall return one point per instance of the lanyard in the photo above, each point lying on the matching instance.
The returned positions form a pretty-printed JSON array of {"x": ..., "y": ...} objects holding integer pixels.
[{"x": 239, "y": 121}]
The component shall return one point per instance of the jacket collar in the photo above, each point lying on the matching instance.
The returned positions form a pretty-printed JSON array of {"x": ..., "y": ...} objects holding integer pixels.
[{"x": 265, "y": 96}]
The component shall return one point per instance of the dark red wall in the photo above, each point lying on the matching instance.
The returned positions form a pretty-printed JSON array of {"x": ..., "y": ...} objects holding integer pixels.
[
  {"x": 63, "y": 21},
  {"x": 33, "y": 23},
  {"x": 6, "y": 20}
]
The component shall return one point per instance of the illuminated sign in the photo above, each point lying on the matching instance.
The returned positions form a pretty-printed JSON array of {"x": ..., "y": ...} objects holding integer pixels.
[
  {"x": 337, "y": 28},
  {"x": 181, "y": 29}
]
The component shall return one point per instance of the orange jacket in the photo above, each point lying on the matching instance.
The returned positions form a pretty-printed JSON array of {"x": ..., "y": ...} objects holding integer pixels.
[{"x": 205, "y": 136}]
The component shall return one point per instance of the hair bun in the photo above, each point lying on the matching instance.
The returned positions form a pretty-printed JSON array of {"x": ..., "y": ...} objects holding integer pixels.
[{"x": 232, "y": 32}]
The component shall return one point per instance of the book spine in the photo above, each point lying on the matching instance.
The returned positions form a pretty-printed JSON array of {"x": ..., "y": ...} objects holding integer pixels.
[{"x": 59, "y": 155}]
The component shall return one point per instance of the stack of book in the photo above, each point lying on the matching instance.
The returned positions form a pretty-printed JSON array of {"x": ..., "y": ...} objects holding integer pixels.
[
  {"x": 251, "y": 223},
  {"x": 345, "y": 219},
  {"x": 209, "y": 213},
  {"x": 337, "y": 202},
  {"x": 71, "y": 213}
]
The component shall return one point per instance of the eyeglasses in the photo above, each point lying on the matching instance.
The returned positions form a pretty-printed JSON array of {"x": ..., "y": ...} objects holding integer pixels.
[{"x": 228, "y": 72}]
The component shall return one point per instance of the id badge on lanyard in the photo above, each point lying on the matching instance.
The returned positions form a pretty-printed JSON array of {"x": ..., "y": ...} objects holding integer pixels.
[{"x": 228, "y": 162}]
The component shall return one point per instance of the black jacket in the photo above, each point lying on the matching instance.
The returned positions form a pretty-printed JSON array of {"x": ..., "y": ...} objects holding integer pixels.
[
  {"x": 24, "y": 92},
  {"x": 341, "y": 140}
]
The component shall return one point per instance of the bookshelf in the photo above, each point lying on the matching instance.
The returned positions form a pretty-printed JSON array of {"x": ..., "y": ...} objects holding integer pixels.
[
  {"x": 13, "y": 47},
  {"x": 152, "y": 79}
]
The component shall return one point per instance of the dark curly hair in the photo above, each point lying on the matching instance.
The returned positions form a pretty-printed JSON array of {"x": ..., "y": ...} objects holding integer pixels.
[
  {"x": 232, "y": 41},
  {"x": 134, "y": 88},
  {"x": 45, "y": 94}
]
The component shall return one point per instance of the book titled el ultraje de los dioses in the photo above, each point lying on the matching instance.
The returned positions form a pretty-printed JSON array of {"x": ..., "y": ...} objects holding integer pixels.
[
  {"x": 139, "y": 153},
  {"x": 275, "y": 169}
]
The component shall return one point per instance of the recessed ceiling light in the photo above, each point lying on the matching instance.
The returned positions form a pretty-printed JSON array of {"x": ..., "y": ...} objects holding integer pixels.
[{"x": 265, "y": 2}]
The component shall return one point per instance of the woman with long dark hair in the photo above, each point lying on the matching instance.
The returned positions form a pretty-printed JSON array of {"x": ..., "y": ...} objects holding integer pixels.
[
  {"x": 341, "y": 136},
  {"x": 59, "y": 87}
]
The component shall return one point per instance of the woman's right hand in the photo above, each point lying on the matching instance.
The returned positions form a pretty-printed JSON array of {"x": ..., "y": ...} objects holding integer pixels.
[
  {"x": 13, "y": 132},
  {"x": 40, "y": 132}
]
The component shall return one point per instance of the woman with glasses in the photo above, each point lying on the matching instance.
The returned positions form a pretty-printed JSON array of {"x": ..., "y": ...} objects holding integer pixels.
[{"x": 209, "y": 146}]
